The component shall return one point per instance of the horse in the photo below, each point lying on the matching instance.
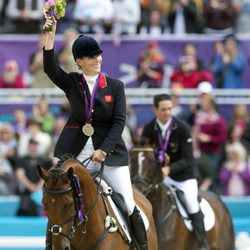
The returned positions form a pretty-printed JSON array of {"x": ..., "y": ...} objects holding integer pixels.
[
  {"x": 170, "y": 226},
  {"x": 81, "y": 217}
]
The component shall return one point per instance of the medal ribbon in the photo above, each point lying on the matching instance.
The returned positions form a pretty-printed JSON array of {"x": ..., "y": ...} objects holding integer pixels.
[
  {"x": 89, "y": 106},
  {"x": 164, "y": 143}
]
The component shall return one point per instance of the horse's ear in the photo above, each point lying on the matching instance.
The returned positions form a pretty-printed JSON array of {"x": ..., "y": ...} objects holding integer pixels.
[
  {"x": 42, "y": 173},
  {"x": 70, "y": 173}
]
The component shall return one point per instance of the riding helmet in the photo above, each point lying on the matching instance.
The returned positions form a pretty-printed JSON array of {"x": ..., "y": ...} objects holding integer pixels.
[{"x": 85, "y": 46}]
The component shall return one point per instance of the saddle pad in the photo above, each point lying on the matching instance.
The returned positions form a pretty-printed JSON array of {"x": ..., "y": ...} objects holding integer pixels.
[
  {"x": 120, "y": 218},
  {"x": 106, "y": 189},
  {"x": 123, "y": 222},
  {"x": 207, "y": 210}
]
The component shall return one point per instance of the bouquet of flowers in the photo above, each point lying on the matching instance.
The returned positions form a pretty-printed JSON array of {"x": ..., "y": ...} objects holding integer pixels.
[{"x": 54, "y": 8}]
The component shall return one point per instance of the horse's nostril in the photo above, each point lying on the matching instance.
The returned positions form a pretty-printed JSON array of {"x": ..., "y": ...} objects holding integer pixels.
[{"x": 67, "y": 248}]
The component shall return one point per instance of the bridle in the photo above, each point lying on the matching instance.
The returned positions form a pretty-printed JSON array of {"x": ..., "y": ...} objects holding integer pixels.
[
  {"x": 144, "y": 180},
  {"x": 151, "y": 186},
  {"x": 78, "y": 215},
  {"x": 57, "y": 229}
]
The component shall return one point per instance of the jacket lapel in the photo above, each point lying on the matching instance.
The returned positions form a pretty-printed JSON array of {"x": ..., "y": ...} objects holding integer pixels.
[{"x": 102, "y": 85}]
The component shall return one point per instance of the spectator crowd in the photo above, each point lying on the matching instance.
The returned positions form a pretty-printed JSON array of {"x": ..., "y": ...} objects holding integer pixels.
[
  {"x": 153, "y": 68},
  {"x": 221, "y": 149},
  {"x": 219, "y": 17},
  {"x": 222, "y": 18}
]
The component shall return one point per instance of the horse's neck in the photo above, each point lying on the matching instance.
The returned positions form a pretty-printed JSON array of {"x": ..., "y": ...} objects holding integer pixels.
[
  {"x": 88, "y": 189},
  {"x": 93, "y": 208},
  {"x": 162, "y": 195},
  {"x": 91, "y": 196}
]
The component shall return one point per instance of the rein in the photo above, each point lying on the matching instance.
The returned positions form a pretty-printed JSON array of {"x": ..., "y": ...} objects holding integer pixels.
[
  {"x": 147, "y": 182},
  {"x": 173, "y": 206}
]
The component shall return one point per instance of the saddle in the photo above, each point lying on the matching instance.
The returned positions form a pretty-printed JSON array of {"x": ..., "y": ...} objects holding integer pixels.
[
  {"x": 119, "y": 207},
  {"x": 120, "y": 203},
  {"x": 207, "y": 210}
]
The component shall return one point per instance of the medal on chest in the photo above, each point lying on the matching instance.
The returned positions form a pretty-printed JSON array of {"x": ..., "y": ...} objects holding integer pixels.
[{"x": 87, "y": 128}]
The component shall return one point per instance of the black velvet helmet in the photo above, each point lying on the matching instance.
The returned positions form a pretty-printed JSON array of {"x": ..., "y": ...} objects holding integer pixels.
[{"x": 85, "y": 46}]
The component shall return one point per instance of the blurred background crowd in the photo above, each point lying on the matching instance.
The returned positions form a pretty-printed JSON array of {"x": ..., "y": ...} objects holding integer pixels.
[
  {"x": 132, "y": 17},
  {"x": 226, "y": 70},
  {"x": 221, "y": 147}
]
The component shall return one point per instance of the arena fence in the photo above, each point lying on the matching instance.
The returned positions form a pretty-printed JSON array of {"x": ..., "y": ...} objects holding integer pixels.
[{"x": 135, "y": 96}]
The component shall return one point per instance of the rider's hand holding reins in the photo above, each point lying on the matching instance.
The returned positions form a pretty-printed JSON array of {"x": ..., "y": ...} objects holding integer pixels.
[{"x": 98, "y": 156}]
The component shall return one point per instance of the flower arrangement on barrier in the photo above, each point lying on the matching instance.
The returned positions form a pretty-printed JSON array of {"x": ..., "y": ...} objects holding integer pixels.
[{"x": 54, "y": 8}]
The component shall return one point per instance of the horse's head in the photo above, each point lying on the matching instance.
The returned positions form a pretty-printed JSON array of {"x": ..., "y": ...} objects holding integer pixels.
[
  {"x": 147, "y": 177},
  {"x": 62, "y": 202},
  {"x": 144, "y": 170}
]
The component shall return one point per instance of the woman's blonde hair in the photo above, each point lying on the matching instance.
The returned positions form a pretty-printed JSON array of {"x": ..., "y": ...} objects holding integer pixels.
[{"x": 239, "y": 149}]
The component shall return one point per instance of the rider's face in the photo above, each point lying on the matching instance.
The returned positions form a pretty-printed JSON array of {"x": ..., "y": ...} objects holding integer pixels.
[
  {"x": 164, "y": 110},
  {"x": 90, "y": 65}
]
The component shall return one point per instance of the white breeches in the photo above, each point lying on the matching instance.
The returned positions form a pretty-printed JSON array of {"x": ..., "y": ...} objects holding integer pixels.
[
  {"x": 190, "y": 190},
  {"x": 117, "y": 177}
]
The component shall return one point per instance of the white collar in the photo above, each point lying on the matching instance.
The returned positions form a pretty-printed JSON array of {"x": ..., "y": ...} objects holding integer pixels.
[
  {"x": 163, "y": 125},
  {"x": 90, "y": 79}
]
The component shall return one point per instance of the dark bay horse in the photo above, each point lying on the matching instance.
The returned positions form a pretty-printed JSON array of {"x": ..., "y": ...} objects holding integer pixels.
[
  {"x": 77, "y": 211},
  {"x": 172, "y": 232}
]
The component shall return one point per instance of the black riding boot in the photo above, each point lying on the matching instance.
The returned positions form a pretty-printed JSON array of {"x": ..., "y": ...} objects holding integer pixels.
[
  {"x": 199, "y": 230},
  {"x": 138, "y": 230},
  {"x": 48, "y": 242}
]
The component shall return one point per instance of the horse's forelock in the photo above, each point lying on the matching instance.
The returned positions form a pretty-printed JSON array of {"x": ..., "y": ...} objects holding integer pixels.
[
  {"x": 55, "y": 173},
  {"x": 145, "y": 163},
  {"x": 149, "y": 156}
]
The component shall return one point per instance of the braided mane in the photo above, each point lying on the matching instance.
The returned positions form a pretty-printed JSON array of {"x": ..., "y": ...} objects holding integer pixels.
[{"x": 64, "y": 158}]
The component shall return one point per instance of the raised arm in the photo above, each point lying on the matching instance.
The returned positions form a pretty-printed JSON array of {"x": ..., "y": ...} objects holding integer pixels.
[
  {"x": 49, "y": 30},
  {"x": 58, "y": 76}
]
